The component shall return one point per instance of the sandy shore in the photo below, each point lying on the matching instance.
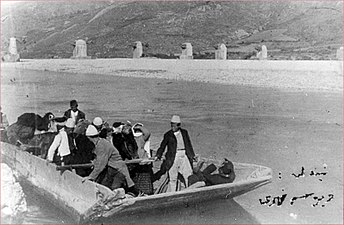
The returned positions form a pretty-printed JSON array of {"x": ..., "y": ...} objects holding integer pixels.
[{"x": 295, "y": 75}]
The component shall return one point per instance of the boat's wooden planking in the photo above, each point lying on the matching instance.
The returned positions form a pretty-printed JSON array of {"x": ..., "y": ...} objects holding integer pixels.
[
  {"x": 64, "y": 189},
  {"x": 249, "y": 177},
  {"x": 82, "y": 200}
]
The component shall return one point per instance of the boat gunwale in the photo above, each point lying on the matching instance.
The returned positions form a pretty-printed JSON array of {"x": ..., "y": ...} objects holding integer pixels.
[
  {"x": 255, "y": 182},
  {"x": 185, "y": 191},
  {"x": 208, "y": 188}
]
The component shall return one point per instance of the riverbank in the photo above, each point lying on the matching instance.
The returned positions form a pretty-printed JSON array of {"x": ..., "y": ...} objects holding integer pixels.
[{"x": 291, "y": 75}]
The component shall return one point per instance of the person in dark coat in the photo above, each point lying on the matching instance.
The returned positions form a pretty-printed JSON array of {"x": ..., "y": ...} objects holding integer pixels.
[
  {"x": 24, "y": 129},
  {"x": 179, "y": 155},
  {"x": 35, "y": 121},
  {"x": 73, "y": 113},
  {"x": 84, "y": 148},
  {"x": 123, "y": 139},
  {"x": 225, "y": 174},
  {"x": 83, "y": 154}
]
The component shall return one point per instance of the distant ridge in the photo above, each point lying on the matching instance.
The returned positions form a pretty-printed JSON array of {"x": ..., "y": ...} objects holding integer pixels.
[{"x": 293, "y": 30}]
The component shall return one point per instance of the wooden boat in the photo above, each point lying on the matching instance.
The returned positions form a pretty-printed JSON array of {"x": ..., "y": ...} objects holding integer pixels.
[{"x": 90, "y": 202}]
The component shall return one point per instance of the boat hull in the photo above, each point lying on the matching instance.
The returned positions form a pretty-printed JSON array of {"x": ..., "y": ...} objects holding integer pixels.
[
  {"x": 83, "y": 202},
  {"x": 64, "y": 189}
]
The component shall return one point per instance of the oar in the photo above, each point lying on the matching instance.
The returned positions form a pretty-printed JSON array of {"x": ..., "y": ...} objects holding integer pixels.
[
  {"x": 74, "y": 166},
  {"x": 28, "y": 148},
  {"x": 88, "y": 165},
  {"x": 133, "y": 161}
]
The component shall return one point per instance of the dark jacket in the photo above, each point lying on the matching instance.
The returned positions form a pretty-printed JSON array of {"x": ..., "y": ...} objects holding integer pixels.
[
  {"x": 17, "y": 132},
  {"x": 214, "y": 179},
  {"x": 34, "y": 121},
  {"x": 67, "y": 115},
  {"x": 225, "y": 175},
  {"x": 126, "y": 145},
  {"x": 171, "y": 142}
]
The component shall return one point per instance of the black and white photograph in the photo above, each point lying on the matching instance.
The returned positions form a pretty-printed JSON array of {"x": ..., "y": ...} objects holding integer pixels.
[{"x": 171, "y": 112}]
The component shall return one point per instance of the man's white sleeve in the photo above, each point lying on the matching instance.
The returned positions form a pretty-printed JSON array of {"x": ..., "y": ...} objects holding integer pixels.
[{"x": 53, "y": 147}]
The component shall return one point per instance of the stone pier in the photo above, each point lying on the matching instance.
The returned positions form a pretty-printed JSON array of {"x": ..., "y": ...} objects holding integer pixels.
[
  {"x": 186, "y": 51},
  {"x": 137, "y": 50},
  {"x": 12, "y": 54},
  {"x": 221, "y": 52},
  {"x": 263, "y": 54},
  {"x": 80, "y": 50},
  {"x": 339, "y": 54}
]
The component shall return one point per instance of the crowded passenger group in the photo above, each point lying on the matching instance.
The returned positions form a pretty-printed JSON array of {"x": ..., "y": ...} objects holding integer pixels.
[{"x": 72, "y": 140}]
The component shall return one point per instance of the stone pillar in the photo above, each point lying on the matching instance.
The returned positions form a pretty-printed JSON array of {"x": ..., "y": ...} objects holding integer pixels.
[
  {"x": 221, "y": 52},
  {"x": 80, "y": 50},
  {"x": 137, "y": 50},
  {"x": 12, "y": 54},
  {"x": 12, "y": 49},
  {"x": 339, "y": 54},
  {"x": 186, "y": 51},
  {"x": 263, "y": 54}
]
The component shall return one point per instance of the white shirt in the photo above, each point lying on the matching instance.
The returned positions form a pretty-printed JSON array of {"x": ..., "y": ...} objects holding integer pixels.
[
  {"x": 61, "y": 143},
  {"x": 74, "y": 115},
  {"x": 180, "y": 140}
]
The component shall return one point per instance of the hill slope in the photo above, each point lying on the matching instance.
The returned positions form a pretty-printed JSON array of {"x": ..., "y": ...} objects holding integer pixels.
[{"x": 289, "y": 29}]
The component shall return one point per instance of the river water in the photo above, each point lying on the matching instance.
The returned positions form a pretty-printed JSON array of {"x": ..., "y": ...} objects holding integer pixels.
[{"x": 266, "y": 126}]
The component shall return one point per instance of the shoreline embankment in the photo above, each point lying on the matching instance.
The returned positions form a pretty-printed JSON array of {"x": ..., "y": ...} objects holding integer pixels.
[{"x": 290, "y": 75}]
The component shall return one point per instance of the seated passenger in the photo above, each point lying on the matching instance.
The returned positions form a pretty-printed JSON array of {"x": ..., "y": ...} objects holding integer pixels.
[
  {"x": 225, "y": 174},
  {"x": 64, "y": 145},
  {"x": 26, "y": 126},
  {"x": 109, "y": 159},
  {"x": 35, "y": 121}
]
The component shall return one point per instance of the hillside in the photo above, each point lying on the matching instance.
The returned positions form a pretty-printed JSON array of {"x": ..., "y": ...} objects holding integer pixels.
[{"x": 291, "y": 30}]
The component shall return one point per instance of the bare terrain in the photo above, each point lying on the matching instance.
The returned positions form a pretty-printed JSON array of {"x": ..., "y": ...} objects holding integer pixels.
[{"x": 302, "y": 30}]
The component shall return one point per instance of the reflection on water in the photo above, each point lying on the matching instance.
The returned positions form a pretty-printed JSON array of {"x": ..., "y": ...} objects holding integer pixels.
[
  {"x": 40, "y": 211},
  {"x": 211, "y": 212}
]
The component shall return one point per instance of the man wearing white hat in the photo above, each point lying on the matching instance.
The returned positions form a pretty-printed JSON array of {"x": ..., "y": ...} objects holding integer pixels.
[
  {"x": 98, "y": 122},
  {"x": 179, "y": 155},
  {"x": 63, "y": 144},
  {"x": 102, "y": 126},
  {"x": 109, "y": 159}
]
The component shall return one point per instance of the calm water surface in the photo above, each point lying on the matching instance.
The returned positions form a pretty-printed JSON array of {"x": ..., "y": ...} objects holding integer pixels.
[
  {"x": 150, "y": 101},
  {"x": 281, "y": 130}
]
